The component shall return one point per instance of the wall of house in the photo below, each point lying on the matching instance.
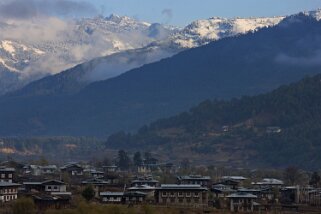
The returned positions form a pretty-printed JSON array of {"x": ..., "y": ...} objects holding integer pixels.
[
  {"x": 55, "y": 188},
  {"x": 8, "y": 194},
  {"x": 190, "y": 198}
]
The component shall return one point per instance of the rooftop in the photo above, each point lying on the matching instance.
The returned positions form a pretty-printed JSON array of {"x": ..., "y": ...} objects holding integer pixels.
[
  {"x": 269, "y": 181},
  {"x": 6, "y": 169},
  {"x": 194, "y": 177},
  {"x": 239, "y": 178},
  {"x": 8, "y": 184},
  {"x": 182, "y": 186},
  {"x": 241, "y": 195}
]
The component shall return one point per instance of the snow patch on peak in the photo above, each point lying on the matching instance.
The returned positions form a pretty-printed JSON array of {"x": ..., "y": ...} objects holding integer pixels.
[
  {"x": 315, "y": 13},
  {"x": 201, "y": 32},
  {"x": 7, "y": 46}
]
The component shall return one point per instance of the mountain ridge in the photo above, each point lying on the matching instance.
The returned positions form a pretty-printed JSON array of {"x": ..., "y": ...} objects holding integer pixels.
[
  {"x": 231, "y": 67},
  {"x": 276, "y": 129},
  {"x": 67, "y": 54}
]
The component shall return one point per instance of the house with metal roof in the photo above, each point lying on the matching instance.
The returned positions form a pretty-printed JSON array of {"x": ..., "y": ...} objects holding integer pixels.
[
  {"x": 194, "y": 179},
  {"x": 8, "y": 191},
  {"x": 182, "y": 195},
  {"x": 241, "y": 202}
]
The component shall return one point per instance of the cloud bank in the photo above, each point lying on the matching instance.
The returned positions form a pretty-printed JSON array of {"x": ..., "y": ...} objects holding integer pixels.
[{"x": 28, "y": 9}]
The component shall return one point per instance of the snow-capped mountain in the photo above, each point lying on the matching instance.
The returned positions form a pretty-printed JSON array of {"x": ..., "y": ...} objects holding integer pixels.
[
  {"x": 55, "y": 45},
  {"x": 24, "y": 59},
  {"x": 203, "y": 31}
]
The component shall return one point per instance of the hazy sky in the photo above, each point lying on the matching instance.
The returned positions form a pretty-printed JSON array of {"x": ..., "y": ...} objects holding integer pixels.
[
  {"x": 181, "y": 12},
  {"x": 175, "y": 12}
]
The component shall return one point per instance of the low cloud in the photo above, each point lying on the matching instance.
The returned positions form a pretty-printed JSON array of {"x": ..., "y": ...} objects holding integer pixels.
[
  {"x": 168, "y": 14},
  {"x": 312, "y": 60},
  {"x": 36, "y": 31},
  {"x": 27, "y": 9}
]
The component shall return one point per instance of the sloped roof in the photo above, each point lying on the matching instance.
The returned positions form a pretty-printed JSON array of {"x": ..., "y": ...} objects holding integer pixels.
[{"x": 241, "y": 195}]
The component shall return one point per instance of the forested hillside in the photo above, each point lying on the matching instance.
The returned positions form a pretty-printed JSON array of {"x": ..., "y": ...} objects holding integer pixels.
[
  {"x": 277, "y": 129},
  {"x": 250, "y": 64}
]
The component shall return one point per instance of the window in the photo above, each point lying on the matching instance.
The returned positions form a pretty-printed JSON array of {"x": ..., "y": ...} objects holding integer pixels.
[
  {"x": 164, "y": 194},
  {"x": 180, "y": 194},
  {"x": 55, "y": 187},
  {"x": 9, "y": 175},
  {"x": 49, "y": 187},
  {"x": 3, "y": 175},
  {"x": 196, "y": 194},
  {"x": 172, "y": 194},
  {"x": 188, "y": 194}
]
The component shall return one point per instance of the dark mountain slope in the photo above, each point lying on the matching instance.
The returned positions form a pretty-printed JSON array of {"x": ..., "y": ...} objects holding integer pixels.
[
  {"x": 244, "y": 65},
  {"x": 277, "y": 129}
]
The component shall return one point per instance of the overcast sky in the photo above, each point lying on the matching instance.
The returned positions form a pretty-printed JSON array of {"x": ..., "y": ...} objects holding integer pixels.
[{"x": 175, "y": 12}]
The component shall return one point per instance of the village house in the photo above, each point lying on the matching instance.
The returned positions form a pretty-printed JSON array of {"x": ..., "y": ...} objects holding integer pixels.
[
  {"x": 8, "y": 191},
  {"x": 111, "y": 197},
  {"x": 264, "y": 194},
  {"x": 45, "y": 201},
  {"x": 99, "y": 185},
  {"x": 315, "y": 197},
  {"x": 143, "y": 169},
  {"x": 49, "y": 186},
  {"x": 234, "y": 178},
  {"x": 232, "y": 184},
  {"x": 242, "y": 202},
  {"x": 233, "y": 181},
  {"x": 221, "y": 190},
  {"x": 290, "y": 194},
  {"x": 110, "y": 169},
  {"x": 132, "y": 197},
  {"x": 149, "y": 165},
  {"x": 273, "y": 129},
  {"x": 93, "y": 173},
  {"x": 194, "y": 179},
  {"x": 73, "y": 169},
  {"x": 7, "y": 174},
  {"x": 37, "y": 170},
  {"x": 184, "y": 195},
  {"x": 112, "y": 179},
  {"x": 148, "y": 190},
  {"x": 147, "y": 181},
  {"x": 269, "y": 183}
]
